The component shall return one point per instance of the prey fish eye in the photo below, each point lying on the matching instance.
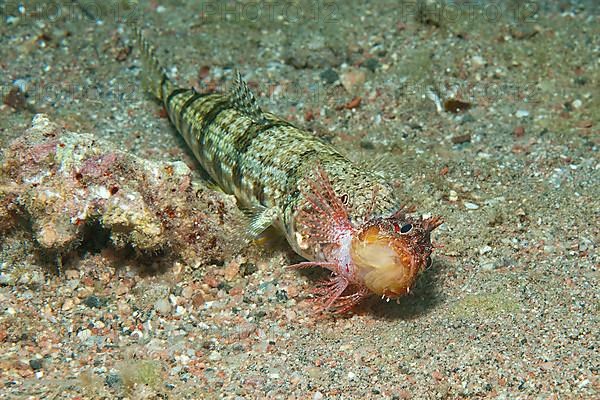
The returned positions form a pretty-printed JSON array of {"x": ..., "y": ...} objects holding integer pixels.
[
  {"x": 429, "y": 262},
  {"x": 406, "y": 228}
]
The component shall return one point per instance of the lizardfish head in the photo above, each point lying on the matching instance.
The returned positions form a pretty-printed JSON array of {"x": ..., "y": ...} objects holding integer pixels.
[{"x": 389, "y": 253}]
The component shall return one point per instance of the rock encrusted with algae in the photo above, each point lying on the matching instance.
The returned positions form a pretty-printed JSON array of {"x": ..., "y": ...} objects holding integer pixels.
[{"x": 58, "y": 184}]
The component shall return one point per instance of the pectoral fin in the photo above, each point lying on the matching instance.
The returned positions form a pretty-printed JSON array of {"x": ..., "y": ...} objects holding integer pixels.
[{"x": 260, "y": 219}]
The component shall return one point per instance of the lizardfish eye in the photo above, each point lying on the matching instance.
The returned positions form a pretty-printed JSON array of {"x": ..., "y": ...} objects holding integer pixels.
[{"x": 406, "y": 228}]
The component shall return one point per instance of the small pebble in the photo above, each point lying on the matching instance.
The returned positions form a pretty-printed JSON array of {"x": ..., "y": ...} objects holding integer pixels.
[
  {"x": 187, "y": 292},
  {"x": 84, "y": 292},
  {"x": 67, "y": 305},
  {"x": 198, "y": 300},
  {"x": 274, "y": 375},
  {"x": 456, "y": 106},
  {"x": 371, "y": 64},
  {"x": 329, "y": 76},
  {"x": 290, "y": 315},
  {"x": 84, "y": 334},
  {"x": 204, "y": 72},
  {"x": 585, "y": 244},
  {"x": 71, "y": 274},
  {"x": 314, "y": 372},
  {"x": 478, "y": 61},
  {"x": 471, "y": 206},
  {"x": 459, "y": 139},
  {"x": 583, "y": 383},
  {"x": 522, "y": 113},
  {"x": 208, "y": 345},
  {"x": 485, "y": 249},
  {"x": 113, "y": 380},
  {"x": 214, "y": 356},
  {"x": 248, "y": 268},
  {"x": 6, "y": 279},
  {"x": 37, "y": 278},
  {"x": 16, "y": 99},
  {"x": 488, "y": 266},
  {"x": 36, "y": 364},
  {"x": 519, "y": 131},
  {"x": 162, "y": 306},
  {"x": 94, "y": 302},
  {"x": 231, "y": 271},
  {"x": 24, "y": 278},
  {"x": 353, "y": 80},
  {"x": 281, "y": 295},
  {"x": 137, "y": 334}
]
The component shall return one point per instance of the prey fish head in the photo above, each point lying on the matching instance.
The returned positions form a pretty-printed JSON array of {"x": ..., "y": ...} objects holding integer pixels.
[{"x": 389, "y": 253}]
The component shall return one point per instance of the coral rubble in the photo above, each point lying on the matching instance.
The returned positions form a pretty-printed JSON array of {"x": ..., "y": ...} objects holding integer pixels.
[{"x": 58, "y": 184}]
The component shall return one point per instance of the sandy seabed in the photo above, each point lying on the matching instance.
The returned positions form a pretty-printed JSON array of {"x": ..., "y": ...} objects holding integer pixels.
[{"x": 489, "y": 118}]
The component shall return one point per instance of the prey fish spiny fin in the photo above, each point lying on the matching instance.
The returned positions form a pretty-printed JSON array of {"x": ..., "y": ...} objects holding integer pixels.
[{"x": 334, "y": 213}]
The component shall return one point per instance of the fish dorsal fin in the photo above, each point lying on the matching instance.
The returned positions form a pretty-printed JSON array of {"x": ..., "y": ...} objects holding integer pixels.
[{"x": 243, "y": 99}]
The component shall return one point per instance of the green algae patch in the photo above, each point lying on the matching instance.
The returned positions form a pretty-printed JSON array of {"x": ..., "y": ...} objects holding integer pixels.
[
  {"x": 486, "y": 305},
  {"x": 141, "y": 372}
]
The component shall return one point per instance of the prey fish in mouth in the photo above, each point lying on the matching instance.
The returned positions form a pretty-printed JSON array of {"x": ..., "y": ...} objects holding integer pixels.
[{"x": 378, "y": 254}]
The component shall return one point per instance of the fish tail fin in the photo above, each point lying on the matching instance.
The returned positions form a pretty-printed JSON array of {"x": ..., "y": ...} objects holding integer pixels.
[{"x": 154, "y": 76}]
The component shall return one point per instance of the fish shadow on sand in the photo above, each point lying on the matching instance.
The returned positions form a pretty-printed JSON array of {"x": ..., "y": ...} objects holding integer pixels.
[{"x": 425, "y": 296}]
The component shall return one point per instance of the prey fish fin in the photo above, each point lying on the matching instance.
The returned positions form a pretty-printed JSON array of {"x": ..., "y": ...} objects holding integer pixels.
[
  {"x": 326, "y": 215},
  {"x": 244, "y": 101},
  {"x": 260, "y": 218}
]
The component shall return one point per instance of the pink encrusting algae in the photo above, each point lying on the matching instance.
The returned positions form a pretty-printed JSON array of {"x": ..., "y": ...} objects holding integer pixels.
[{"x": 57, "y": 184}]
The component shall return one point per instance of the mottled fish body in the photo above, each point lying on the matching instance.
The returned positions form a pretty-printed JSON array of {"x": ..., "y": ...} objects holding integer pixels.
[{"x": 287, "y": 176}]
